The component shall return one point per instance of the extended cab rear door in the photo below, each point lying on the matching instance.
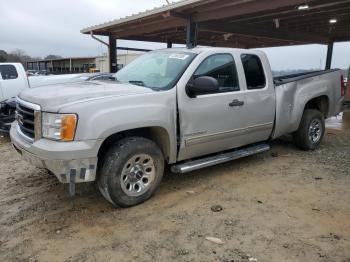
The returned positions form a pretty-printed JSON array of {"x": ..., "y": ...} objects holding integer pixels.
[
  {"x": 211, "y": 122},
  {"x": 260, "y": 96}
]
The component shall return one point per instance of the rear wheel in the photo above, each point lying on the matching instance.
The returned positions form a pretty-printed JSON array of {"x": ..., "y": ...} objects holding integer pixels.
[
  {"x": 311, "y": 130},
  {"x": 131, "y": 171}
]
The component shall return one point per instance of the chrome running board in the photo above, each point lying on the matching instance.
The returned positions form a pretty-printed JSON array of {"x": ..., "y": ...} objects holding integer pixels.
[{"x": 218, "y": 159}]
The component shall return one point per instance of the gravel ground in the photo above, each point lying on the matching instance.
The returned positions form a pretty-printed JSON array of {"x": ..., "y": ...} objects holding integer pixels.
[{"x": 282, "y": 205}]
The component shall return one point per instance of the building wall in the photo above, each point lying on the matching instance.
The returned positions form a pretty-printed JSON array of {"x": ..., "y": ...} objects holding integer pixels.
[
  {"x": 124, "y": 59},
  {"x": 64, "y": 66},
  {"x": 102, "y": 64},
  {"x": 80, "y": 65}
]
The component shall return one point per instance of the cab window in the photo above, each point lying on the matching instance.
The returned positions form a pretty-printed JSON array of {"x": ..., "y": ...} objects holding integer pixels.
[
  {"x": 221, "y": 67},
  {"x": 8, "y": 72},
  {"x": 254, "y": 72}
]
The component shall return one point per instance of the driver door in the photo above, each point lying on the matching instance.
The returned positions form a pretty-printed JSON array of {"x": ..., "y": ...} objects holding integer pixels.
[{"x": 213, "y": 122}]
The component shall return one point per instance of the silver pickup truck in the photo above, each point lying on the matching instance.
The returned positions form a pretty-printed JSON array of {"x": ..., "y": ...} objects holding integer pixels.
[{"x": 188, "y": 108}]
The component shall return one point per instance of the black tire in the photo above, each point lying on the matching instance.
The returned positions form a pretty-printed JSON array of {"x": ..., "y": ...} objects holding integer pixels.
[
  {"x": 302, "y": 136},
  {"x": 110, "y": 181}
]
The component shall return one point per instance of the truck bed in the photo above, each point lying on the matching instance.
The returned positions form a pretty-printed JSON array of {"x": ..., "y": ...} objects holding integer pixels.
[
  {"x": 281, "y": 80},
  {"x": 294, "y": 91}
]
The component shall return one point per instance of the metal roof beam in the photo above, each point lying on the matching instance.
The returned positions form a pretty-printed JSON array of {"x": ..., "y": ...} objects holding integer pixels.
[
  {"x": 293, "y": 16},
  {"x": 144, "y": 29},
  {"x": 262, "y": 32},
  {"x": 244, "y": 8},
  {"x": 175, "y": 14},
  {"x": 133, "y": 49},
  {"x": 284, "y": 13}
]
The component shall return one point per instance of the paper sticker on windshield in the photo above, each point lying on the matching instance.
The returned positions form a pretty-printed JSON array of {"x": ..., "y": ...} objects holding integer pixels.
[{"x": 179, "y": 56}]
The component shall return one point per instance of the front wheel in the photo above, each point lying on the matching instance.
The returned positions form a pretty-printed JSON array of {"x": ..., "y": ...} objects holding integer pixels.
[
  {"x": 311, "y": 130},
  {"x": 130, "y": 171}
]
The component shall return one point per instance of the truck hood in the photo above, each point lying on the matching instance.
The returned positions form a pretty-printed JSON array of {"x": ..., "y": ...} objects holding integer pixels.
[{"x": 58, "y": 96}]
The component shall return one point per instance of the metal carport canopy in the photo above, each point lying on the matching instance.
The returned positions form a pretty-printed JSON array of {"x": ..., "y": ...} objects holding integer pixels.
[{"x": 236, "y": 23}]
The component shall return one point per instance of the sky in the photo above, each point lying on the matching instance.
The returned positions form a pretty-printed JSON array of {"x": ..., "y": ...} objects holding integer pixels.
[{"x": 43, "y": 27}]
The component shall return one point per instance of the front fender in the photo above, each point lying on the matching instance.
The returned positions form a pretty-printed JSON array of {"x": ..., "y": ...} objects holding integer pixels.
[{"x": 99, "y": 119}]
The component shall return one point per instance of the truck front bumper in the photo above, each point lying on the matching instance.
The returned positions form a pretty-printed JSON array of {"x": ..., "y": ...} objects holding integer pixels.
[{"x": 70, "y": 161}]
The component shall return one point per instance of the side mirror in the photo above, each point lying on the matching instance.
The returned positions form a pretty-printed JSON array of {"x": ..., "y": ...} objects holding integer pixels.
[{"x": 202, "y": 85}]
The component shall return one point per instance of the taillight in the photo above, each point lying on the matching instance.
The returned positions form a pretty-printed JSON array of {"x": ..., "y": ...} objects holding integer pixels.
[{"x": 342, "y": 84}]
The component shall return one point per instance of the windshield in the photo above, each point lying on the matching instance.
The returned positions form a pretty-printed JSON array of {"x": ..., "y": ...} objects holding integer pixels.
[{"x": 156, "y": 70}]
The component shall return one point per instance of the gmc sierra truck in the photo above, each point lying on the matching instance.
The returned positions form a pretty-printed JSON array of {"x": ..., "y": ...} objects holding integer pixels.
[{"x": 188, "y": 108}]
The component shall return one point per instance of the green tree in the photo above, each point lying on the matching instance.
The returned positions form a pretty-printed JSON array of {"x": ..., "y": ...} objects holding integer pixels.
[
  {"x": 52, "y": 57},
  {"x": 3, "y": 56}
]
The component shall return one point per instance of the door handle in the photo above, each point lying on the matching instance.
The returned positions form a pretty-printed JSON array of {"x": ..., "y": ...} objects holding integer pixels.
[{"x": 236, "y": 102}]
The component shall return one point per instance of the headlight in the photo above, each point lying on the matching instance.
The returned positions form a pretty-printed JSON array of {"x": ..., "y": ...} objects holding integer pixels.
[{"x": 59, "y": 126}]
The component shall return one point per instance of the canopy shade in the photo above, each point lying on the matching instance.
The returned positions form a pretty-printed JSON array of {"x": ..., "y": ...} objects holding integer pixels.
[{"x": 236, "y": 23}]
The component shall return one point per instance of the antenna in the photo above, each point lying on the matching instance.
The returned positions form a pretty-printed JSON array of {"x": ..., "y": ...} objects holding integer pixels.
[{"x": 167, "y": 2}]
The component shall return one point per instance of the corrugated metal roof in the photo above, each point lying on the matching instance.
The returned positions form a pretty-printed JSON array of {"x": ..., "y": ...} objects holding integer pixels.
[
  {"x": 154, "y": 11},
  {"x": 239, "y": 23}
]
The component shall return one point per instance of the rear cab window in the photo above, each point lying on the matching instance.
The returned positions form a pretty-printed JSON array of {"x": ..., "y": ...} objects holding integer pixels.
[
  {"x": 8, "y": 72},
  {"x": 221, "y": 67},
  {"x": 254, "y": 71}
]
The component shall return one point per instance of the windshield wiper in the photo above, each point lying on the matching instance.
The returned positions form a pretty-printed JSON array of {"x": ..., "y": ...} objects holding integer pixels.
[{"x": 136, "y": 82}]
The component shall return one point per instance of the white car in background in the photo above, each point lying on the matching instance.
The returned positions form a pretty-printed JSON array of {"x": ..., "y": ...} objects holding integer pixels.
[{"x": 14, "y": 79}]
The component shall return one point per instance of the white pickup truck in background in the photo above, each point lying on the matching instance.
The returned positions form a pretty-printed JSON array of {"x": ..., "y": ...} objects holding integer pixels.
[{"x": 14, "y": 79}]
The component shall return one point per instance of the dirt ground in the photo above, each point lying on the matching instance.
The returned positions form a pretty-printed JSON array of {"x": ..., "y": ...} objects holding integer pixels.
[{"x": 282, "y": 205}]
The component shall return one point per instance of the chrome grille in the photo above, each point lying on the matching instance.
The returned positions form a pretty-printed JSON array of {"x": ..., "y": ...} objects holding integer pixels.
[{"x": 26, "y": 118}]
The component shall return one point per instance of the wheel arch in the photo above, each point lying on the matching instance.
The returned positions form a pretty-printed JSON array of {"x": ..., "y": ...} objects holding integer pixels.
[
  {"x": 320, "y": 103},
  {"x": 157, "y": 134}
]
